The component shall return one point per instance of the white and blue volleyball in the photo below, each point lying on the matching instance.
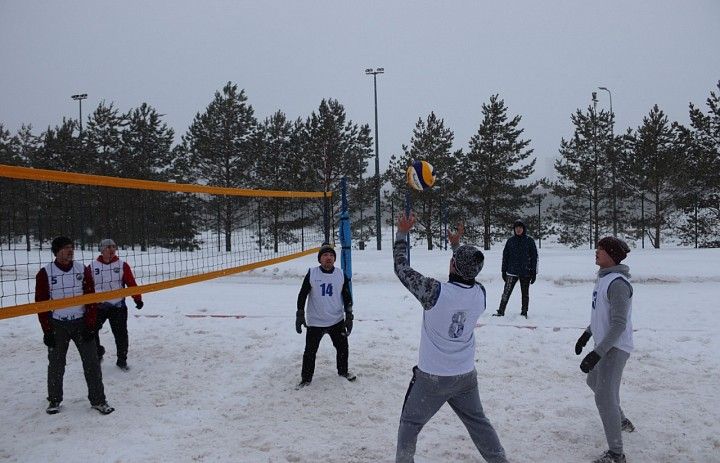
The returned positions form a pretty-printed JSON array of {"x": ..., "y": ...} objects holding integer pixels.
[{"x": 420, "y": 175}]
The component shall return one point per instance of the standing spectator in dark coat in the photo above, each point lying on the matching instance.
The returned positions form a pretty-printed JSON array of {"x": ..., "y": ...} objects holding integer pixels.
[
  {"x": 520, "y": 259},
  {"x": 61, "y": 279}
]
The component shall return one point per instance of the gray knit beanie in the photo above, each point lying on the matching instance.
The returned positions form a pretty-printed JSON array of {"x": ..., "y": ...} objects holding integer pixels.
[
  {"x": 105, "y": 243},
  {"x": 469, "y": 261}
]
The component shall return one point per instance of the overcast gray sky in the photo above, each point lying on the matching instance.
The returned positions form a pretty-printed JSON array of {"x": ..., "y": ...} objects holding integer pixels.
[{"x": 544, "y": 58}]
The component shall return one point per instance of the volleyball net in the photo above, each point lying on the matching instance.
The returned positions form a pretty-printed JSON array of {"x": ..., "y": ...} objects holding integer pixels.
[{"x": 170, "y": 234}]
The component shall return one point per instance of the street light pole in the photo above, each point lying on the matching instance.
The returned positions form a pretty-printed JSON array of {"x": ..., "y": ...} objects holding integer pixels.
[
  {"x": 79, "y": 97},
  {"x": 612, "y": 163},
  {"x": 374, "y": 73}
]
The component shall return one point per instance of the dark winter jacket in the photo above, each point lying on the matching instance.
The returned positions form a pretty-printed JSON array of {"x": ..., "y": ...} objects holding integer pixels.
[{"x": 520, "y": 255}]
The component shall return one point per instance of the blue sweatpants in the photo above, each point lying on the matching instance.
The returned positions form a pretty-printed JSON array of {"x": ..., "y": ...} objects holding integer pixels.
[{"x": 426, "y": 394}]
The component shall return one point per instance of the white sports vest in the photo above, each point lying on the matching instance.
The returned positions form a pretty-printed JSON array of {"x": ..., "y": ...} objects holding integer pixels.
[
  {"x": 447, "y": 340},
  {"x": 600, "y": 315},
  {"x": 325, "y": 305},
  {"x": 108, "y": 277},
  {"x": 66, "y": 284}
]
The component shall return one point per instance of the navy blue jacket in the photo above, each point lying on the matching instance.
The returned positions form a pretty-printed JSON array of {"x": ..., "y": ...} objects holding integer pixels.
[{"x": 520, "y": 256}]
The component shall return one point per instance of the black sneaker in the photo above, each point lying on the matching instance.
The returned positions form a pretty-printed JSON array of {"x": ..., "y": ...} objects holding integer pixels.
[
  {"x": 302, "y": 384},
  {"x": 350, "y": 376},
  {"x": 122, "y": 364},
  {"x": 53, "y": 408},
  {"x": 524, "y": 313},
  {"x": 104, "y": 408},
  {"x": 611, "y": 457},
  {"x": 627, "y": 425},
  {"x": 498, "y": 314}
]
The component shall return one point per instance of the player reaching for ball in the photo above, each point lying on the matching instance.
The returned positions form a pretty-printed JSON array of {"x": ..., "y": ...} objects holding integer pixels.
[{"x": 446, "y": 367}]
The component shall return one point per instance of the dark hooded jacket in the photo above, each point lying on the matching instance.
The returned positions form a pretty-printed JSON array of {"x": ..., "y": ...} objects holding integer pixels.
[{"x": 520, "y": 255}]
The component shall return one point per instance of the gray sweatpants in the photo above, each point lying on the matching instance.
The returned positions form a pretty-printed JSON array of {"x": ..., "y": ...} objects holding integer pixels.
[
  {"x": 66, "y": 331},
  {"x": 604, "y": 380},
  {"x": 426, "y": 394}
]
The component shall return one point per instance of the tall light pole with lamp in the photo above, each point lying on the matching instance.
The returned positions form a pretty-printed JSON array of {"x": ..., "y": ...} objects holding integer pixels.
[
  {"x": 79, "y": 97},
  {"x": 374, "y": 73},
  {"x": 612, "y": 163}
]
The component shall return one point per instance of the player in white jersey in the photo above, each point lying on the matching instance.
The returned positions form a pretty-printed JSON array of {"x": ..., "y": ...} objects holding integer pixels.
[
  {"x": 329, "y": 310},
  {"x": 110, "y": 272},
  {"x": 64, "y": 278},
  {"x": 611, "y": 328},
  {"x": 446, "y": 366}
]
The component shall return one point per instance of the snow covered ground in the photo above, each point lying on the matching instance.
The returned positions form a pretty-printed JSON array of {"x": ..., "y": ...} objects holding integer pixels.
[{"x": 221, "y": 389}]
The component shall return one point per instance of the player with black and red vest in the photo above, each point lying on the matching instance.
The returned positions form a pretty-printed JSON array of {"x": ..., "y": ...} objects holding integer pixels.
[
  {"x": 61, "y": 279},
  {"x": 110, "y": 272}
]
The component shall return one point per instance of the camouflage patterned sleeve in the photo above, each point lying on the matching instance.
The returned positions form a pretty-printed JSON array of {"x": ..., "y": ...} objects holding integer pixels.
[{"x": 426, "y": 290}]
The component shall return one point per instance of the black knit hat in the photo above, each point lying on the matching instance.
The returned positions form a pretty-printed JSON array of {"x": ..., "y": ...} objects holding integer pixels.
[
  {"x": 326, "y": 247},
  {"x": 59, "y": 243},
  {"x": 616, "y": 248},
  {"x": 469, "y": 261}
]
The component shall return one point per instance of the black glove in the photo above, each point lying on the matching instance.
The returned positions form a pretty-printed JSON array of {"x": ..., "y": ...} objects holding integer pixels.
[
  {"x": 589, "y": 362},
  {"x": 581, "y": 342},
  {"x": 532, "y": 278},
  {"x": 348, "y": 322},
  {"x": 49, "y": 339},
  {"x": 504, "y": 276},
  {"x": 300, "y": 321},
  {"x": 139, "y": 304},
  {"x": 87, "y": 334}
]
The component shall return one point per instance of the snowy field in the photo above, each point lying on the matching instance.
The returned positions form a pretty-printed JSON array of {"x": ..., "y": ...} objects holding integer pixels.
[{"x": 205, "y": 388}]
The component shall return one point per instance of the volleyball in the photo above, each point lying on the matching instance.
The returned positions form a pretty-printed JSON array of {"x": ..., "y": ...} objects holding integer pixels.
[{"x": 420, "y": 175}]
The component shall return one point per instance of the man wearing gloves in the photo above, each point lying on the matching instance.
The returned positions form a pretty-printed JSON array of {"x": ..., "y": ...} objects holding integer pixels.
[
  {"x": 446, "y": 365},
  {"x": 110, "y": 273},
  {"x": 611, "y": 329},
  {"x": 64, "y": 278},
  {"x": 329, "y": 310}
]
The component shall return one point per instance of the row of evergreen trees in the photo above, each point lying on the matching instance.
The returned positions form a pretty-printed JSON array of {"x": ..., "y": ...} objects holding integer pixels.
[{"x": 658, "y": 180}]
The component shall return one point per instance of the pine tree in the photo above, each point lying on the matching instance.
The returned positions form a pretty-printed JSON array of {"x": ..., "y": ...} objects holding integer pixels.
[
  {"x": 700, "y": 181},
  {"x": 102, "y": 138},
  {"x": 332, "y": 147},
  {"x": 583, "y": 185},
  {"x": 220, "y": 144},
  {"x": 10, "y": 190},
  {"x": 432, "y": 142},
  {"x": 150, "y": 218},
  {"x": 493, "y": 171},
  {"x": 654, "y": 165},
  {"x": 277, "y": 168}
]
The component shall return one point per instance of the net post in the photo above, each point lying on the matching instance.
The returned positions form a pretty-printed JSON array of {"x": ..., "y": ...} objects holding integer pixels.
[{"x": 345, "y": 236}]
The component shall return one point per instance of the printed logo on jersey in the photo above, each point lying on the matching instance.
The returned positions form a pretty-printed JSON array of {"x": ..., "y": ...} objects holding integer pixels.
[
  {"x": 78, "y": 276},
  {"x": 594, "y": 299},
  {"x": 116, "y": 270},
  {"x": 458, "y": 325}
]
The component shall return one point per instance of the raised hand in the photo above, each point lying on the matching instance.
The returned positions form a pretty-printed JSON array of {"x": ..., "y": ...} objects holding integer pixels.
[{"x": 454, "y": 238}]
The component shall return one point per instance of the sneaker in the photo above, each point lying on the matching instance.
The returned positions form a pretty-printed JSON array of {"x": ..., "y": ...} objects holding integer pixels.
[
  {"x": 302, "y": 385},
  {"x": 627, "y": 425},
  {"x": 524, "y": 313},
  {"x": 611, "y": 457},
  {"x": 53, "y": 408},
  {"x": 499, "y": 314},
  {"x": 350, "y": 376},
  {"x": 122, "y": 364},
  {"x": 104, "y": 408}
]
